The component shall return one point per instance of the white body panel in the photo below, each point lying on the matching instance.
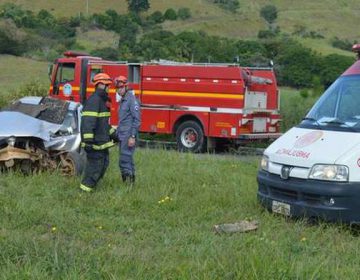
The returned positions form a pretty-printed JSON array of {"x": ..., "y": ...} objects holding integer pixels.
[{"x": 301, "y": 148}]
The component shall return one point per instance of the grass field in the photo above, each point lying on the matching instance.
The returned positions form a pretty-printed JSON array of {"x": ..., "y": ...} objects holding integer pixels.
[
  {"x": 49, "y": 230},
  {"x": 16, "y": 71}
]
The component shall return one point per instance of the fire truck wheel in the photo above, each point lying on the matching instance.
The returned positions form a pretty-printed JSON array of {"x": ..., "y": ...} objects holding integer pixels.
[{"x": 190, "y": 137}]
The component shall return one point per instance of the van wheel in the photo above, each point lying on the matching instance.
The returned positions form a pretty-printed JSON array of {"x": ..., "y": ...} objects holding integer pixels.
[{"x": 190, "y": 137}]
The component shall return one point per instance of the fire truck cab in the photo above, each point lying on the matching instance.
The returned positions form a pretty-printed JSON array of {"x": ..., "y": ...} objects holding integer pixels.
[{"x": 198, "y": 103}]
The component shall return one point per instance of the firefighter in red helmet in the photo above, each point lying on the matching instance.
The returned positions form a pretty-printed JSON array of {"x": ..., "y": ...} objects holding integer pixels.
[
  {"x": 128, "y": 128},
  {"x": 96, "y": 132}
]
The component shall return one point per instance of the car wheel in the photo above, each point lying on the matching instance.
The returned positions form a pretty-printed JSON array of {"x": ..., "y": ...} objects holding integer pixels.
[
  {"x": 26, "y": 167},
  {"x": 190, "y": 137},
  {"x": 71, "y": 164}
]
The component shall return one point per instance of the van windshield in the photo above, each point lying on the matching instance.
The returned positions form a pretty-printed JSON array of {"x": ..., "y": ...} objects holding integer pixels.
[{"x": 338, "y": 108}]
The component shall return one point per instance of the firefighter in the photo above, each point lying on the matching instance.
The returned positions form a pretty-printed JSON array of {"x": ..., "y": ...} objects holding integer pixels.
[
  {"x": 129, "y": 124},
  {"x": 96, "y": 132}
]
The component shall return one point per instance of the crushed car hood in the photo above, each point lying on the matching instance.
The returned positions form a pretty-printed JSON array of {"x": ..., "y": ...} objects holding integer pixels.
[{"x": 21, "y": 125}]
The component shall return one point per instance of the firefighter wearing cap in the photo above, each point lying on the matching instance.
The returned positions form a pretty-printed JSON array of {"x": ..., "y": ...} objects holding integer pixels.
[
  {"x": 96, "y": 132},
  {"x": 129, "y": 124}
]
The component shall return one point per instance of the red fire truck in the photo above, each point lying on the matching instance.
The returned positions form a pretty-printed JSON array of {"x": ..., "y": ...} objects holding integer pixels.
[{"x": 198, "y": 103}]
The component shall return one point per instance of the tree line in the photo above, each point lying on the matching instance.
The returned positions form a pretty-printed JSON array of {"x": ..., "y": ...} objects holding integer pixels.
[{"x": 141, "y": 38}]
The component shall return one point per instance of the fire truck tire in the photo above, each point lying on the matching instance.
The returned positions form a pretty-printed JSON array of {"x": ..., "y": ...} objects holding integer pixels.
[{"x": 190, "y": 137}]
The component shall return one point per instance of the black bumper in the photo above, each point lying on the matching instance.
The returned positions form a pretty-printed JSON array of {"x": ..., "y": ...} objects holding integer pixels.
[{"x": 331, "y": 201}]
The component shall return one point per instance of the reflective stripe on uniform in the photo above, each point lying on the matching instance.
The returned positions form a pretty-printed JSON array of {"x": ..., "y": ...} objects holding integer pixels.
[
  {"x": 88, "y": 135},
  {"x": 103, "y": 146},
  {"x": 112, "y": 130},
  {"x": 85, "y": 188},
  {"x": 99, "y": 147},
  {"x": 95, "y": 114}
]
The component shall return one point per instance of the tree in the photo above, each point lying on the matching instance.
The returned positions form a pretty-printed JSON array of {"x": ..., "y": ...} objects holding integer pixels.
[
  {"x": 137, "y": 6},
  {"x": 332, "y": 66},
  {"x": 106, "y": 53},
  {"x": 269, "y": 13},
  {"x": 170, "y": 14},
  {"x": 156, "y": 17},
  {"x": 184, "y": 13},
  {"x": 231, "y": 5},
  {"x": 297, "y": 64}
]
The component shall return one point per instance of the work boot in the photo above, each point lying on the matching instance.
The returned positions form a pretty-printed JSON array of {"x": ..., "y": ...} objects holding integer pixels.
[
  {"x": 124, "y": 177},
  {"x": 128, "y": 179},
  {"x": 132, "y": 179}
]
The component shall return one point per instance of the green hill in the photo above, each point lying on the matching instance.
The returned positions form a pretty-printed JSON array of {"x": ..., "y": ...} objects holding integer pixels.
[{"x": 329, "y": 18}]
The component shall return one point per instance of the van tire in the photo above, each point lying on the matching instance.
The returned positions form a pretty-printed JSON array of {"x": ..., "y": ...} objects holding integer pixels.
[{"x": 190, "y": 137}]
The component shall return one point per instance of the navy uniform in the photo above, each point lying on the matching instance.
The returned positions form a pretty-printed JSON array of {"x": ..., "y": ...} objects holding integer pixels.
[
  {"x": 129, "y": 124},
  {"x": 96, "y": 134}
]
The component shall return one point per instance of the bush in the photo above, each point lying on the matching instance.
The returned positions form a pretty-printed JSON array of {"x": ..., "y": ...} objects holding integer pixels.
[
  {"x": 12, "y": 41},
  {"x": 341, "y": 44},
  {"x": 170, "y": 14},
  {"x": 184, "y": 13},
  {"x": 269, "y": 13},
  {"x": 10, "y": 46},
  {"x": 156, "y": 17},
  {"x": 106, "y": 53},
  {"x": 294, "y": 106},
  {"x": 266, "y": 34},
  {"x": 34, "y": 88},
  {"x": 304, "y": 93},
  {"x": 137, "y": 6},
  {"x": 231, "y": 5}
]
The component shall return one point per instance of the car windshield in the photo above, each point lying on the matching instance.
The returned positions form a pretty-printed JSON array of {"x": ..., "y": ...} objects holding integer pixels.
[
  {"x": 50, "y": 110},
  {"x": 338, "y": 108}
]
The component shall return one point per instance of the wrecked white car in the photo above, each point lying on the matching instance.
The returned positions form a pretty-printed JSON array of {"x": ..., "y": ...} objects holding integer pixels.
[{"x": 41, "y": 133}]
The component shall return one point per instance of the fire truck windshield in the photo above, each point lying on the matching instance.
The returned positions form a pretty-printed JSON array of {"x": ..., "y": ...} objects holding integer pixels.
[{"x": 338, "y": 108}]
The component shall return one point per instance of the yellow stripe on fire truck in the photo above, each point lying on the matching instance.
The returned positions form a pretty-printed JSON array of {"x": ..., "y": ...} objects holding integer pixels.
[
  {"x": 183, "y": 94},
  {"x": 194, "y": 94},
  {"x": 61, "y": 88}
]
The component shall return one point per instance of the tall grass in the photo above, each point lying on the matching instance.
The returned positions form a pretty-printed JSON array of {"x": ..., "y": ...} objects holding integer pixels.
[{"x": 50, "y": 230}]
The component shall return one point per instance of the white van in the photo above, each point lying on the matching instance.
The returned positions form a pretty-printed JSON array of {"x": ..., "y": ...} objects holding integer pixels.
[{"x": 313, "y": 170}]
